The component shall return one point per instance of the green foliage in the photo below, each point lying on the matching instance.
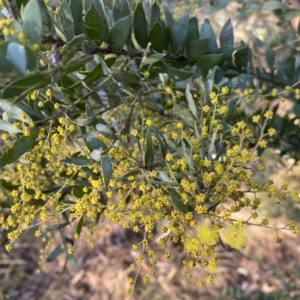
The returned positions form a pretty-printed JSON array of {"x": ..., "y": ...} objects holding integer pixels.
[{"x": 124, "y": 115}]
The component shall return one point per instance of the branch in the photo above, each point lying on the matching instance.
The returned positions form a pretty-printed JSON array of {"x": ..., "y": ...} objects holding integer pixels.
[{"x": 132, "y": 53}]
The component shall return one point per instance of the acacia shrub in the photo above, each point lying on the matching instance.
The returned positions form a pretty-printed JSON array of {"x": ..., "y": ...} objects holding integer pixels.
[{"x": 130, "y": 117}]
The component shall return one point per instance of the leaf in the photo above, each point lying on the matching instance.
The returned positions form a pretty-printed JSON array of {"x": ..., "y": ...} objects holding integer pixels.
[
  {"x": 100, "y": 7},
  {"x": 176, "y": 200},
  {"x": 149, "y": 154},
  {"x": 168, "y": 16},
  {"x": 140, "y": 26},
  {"x": 193, "y": 31},
  {"x": 105, "y": 130},
  {"x": 77, "y": 159},
  {"x": 157, "y": 37},
  {"x": 19, "y": 148},
  {"x": 178, "y": 74},
  {"x": 33, "y": 21},
  {"x": 27, "y": 84},
  {"x": 207, "y": 62},
  {"x": 76, "y": 9},
  {"x": 21, "y": 3},
  {"x": 5, "y": 126},
  {"x": 94, "y": 25},
  {"x": 121, "y": 9},
  {"x": 162, "y": 142},
  {"x": 167, "y": 35},
  {"x": 227, "y": 51},
  {"x": 55, "y": 253},
  {"x": 126, "y": 129},
  {"x": 79, "y": 226},
  {"x": 270, "y": 57},
  {"x": 226, "y": 35},
  {"x": 69, "y": 50},
  {"x": 76, "y": 63},
  {"x": 185, "y": 115},
  {"x": 197, "y": 48},
  {"x": 241, "y": 57},
  {"x": 152, "y": 59},
  {"x": 46, "y": 19},
  {"x": 107, "y": 170},
  {"x": 179, "y": 33},
  {"x": 31, "y": 59},
  {"x": 191, "y": 101},
  {"x": 126, "y": 77},
  {"x": 17, "y": 56},
  {"x": 67, "y": 20},
  {"x": 119, "y": 33},
  {"x": 13, "y": 111},
  {"x": 273, "y": 5},
  {"x": 154, "y": 14},
  {"x": 78, "y": 191},
  {"x": 212, "y": 145},
  {"x": 220, "y": 148},
  {"x": 207, "y": 31},
  {"x": 56, "y": 227},
  {"x": 165, "y": 178},
  {"x": 6, "y": 65},
  {"x": 96, "y": 154},
  {"x": 94, "y": 75}
]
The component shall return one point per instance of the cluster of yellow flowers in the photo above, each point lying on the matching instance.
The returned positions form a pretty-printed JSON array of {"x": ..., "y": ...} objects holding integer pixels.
[{"x": 188, "y": 174}]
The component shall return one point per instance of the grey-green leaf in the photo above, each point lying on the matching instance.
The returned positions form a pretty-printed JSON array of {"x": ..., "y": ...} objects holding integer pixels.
[
  {"x": 140, "y": 26},
  {"x": 19, "y": 148},
  {"x": 5, "y": 126},
  {"x": 107, "y": 170},
  {"x": 77, "y": 8},
  {"x": 226, "y": 35},
  {"x": 176, "y": 200},
  {"x": 270, "y": 57},
  {"x": 149, "y": 154},
  {"x": 16, "y": 54},
  {"x": 157, "y": 37},
  {"x": 100, "y": 7},
  {"x": 77, "y": 159},
  {"x": 121, "y": 9},
  {"x": 94, "y": 25},
  {"x": 79, "y": 226},
  {"x": 25, "y": 85},
  {"x": 152, "y": 59},
  {"x": 154, "y": 15},
  {"x": 241, "y": 57},
  {"x": 6, "y": 65},
  {"x": 67, "y": 20},
  {"x": 178, "y": 74},
  {"x": 197, "y": 48},
  {"x": 193, "y": 31},
  {"x": 184, "y": 115},
  {"x": 207, "y": 62},
  {"x": 55, "y": 253},
  {"x": 94, "y": 75},
  {"x": 191, "y": 101},
  {"x": 179, "y": 33},
  {"x": 119, "y": 33},
  {"x": 76, "y": 63},
  {"x": 12, "y": 110},
  {"x": 207, "y": 31},
  {"x": 168, "y": 16},
  {"x": 46, "y": 19},
  {"x": 33, "y": 21}
]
